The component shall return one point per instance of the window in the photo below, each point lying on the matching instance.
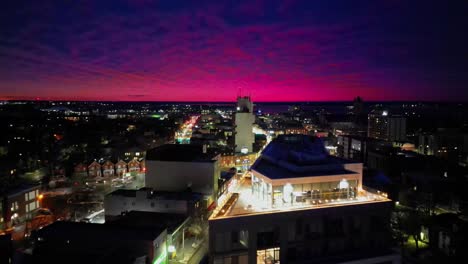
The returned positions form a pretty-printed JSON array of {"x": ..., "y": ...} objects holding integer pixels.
[
  {"x": 270, "y": 255},
  {"x": 299, "y": 224},
  {"x": 334, "y": 227},
  {"x": 14, "y": 206},
  {"x": 377, "y": 224},
  {"x": 31, "y": 206},
  {"x": 234, "y": 237},
  {"x": 291, "y": 255},
  {"x": 268, "y": 239}
]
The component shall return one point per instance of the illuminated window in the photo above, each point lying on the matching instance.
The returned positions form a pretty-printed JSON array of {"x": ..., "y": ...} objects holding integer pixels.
[
  {"x": 270, "y": 255},
  {"x": 344, "y": 184}
]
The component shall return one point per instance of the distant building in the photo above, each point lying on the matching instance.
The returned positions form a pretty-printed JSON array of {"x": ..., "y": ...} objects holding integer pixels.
[
  {"x": 447, "y": 236},
  {"x": 80, "y": 170},
  {"x": 134, "y": 166},
  {"x": 108, "y": 169},
  {"x": 120, "y": 168},
  {"x": 19, "y": 204},
  {"x": 356, "y": 148},
  {"x": 241, "y": 162},
  {"x": 386, "y": 126},
  {"x": 180, "y": 167},
  {"x": 296, "y": 130},
  {"x": 301, "y": 205},
  {"x": 443, "y": 142},
  {"x": 94, "y": 169},
  {"x": 120, "y": 201},
  {"x": 244, "y": 119}
]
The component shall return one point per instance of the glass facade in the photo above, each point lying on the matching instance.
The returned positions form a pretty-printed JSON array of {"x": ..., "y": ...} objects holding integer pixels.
[{"x": 303, "y": 194}]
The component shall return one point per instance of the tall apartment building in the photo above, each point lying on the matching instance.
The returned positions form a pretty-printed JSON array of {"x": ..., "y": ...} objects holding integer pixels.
[
  {"x": 244, "y": 120},
  {"x": 385, "y": 126},
  {"x": 300, "y": 205}
]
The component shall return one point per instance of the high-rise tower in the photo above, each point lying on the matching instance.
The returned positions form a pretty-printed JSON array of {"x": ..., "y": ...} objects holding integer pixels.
[{"x": 244, "y": 138}]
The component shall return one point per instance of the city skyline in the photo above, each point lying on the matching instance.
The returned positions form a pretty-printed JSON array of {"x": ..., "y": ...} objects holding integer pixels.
[{"x": 208, "y": 51}]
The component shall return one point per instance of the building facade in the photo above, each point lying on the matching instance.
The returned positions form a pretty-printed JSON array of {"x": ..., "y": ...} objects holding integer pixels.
[
  {"x": 120, "y": 168},
  {"x": 385, "y": 126},
  {"x": 300, "y": 205},
  {"x": 181, "y": 167},
  {"x": 244, "y": 119},
  {"x": 108, "y": 169},
  {"x": 94, "y": 169},
  {"x": 20, "y": 204},
  {"x": 120, "y": 201}
]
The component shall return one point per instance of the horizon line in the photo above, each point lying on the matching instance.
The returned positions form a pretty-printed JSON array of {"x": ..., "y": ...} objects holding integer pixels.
[{"x": 233, "y": 101}]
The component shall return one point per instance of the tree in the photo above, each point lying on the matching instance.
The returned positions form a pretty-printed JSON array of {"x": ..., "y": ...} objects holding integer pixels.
[{"x": 412, "y": 226}]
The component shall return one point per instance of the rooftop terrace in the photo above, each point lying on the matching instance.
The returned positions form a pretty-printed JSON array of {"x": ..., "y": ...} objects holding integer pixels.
[
  {"x": 295, "y": 172},
  {"x": 240, "y": 201}
]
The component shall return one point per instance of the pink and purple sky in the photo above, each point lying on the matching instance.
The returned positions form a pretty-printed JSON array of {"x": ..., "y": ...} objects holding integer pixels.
[{"x": 175, "y": 50}]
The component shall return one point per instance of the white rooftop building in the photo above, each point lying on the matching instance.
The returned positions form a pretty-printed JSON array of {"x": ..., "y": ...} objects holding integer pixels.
[{"x": 244, "y": 138}]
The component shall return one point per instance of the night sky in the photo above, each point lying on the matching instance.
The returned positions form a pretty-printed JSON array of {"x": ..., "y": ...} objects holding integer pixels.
[{"x": 284, "y": 50}]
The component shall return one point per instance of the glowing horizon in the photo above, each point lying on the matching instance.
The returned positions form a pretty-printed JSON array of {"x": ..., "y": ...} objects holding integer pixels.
[{"x": 286, "y": 51}]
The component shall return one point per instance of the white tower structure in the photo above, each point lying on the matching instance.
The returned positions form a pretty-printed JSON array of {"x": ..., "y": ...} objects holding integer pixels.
[{"x": 244, "y": 123}]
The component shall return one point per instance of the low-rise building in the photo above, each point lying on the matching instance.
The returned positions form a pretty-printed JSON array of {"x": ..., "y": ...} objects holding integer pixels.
[
  {"x": 108, "y": 169},
  {"x": 19, "y": 204},
  {"x": 72, "y": 242},
  {"x": 180, "y": 167},
  {"x": 120, "y": 201},
  {"x": 80, "y": 170},
  {"x": 134, "y": 166},
  {"x": 120, "y": 168},
  {"x": 94, "y": 169}
]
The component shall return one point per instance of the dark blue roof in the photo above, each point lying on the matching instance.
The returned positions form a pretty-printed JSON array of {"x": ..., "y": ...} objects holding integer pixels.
[{"x": 290, "y": 156}]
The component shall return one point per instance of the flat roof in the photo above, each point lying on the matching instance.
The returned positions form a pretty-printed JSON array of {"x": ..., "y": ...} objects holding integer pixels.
[
  {"x": 180, "y": 152},
  {"x": 88, "y": 231},
  {"x": 152, "y": 194},
  {"x": 155, "y": 220},
  {"x": 20, "y": 189}
]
